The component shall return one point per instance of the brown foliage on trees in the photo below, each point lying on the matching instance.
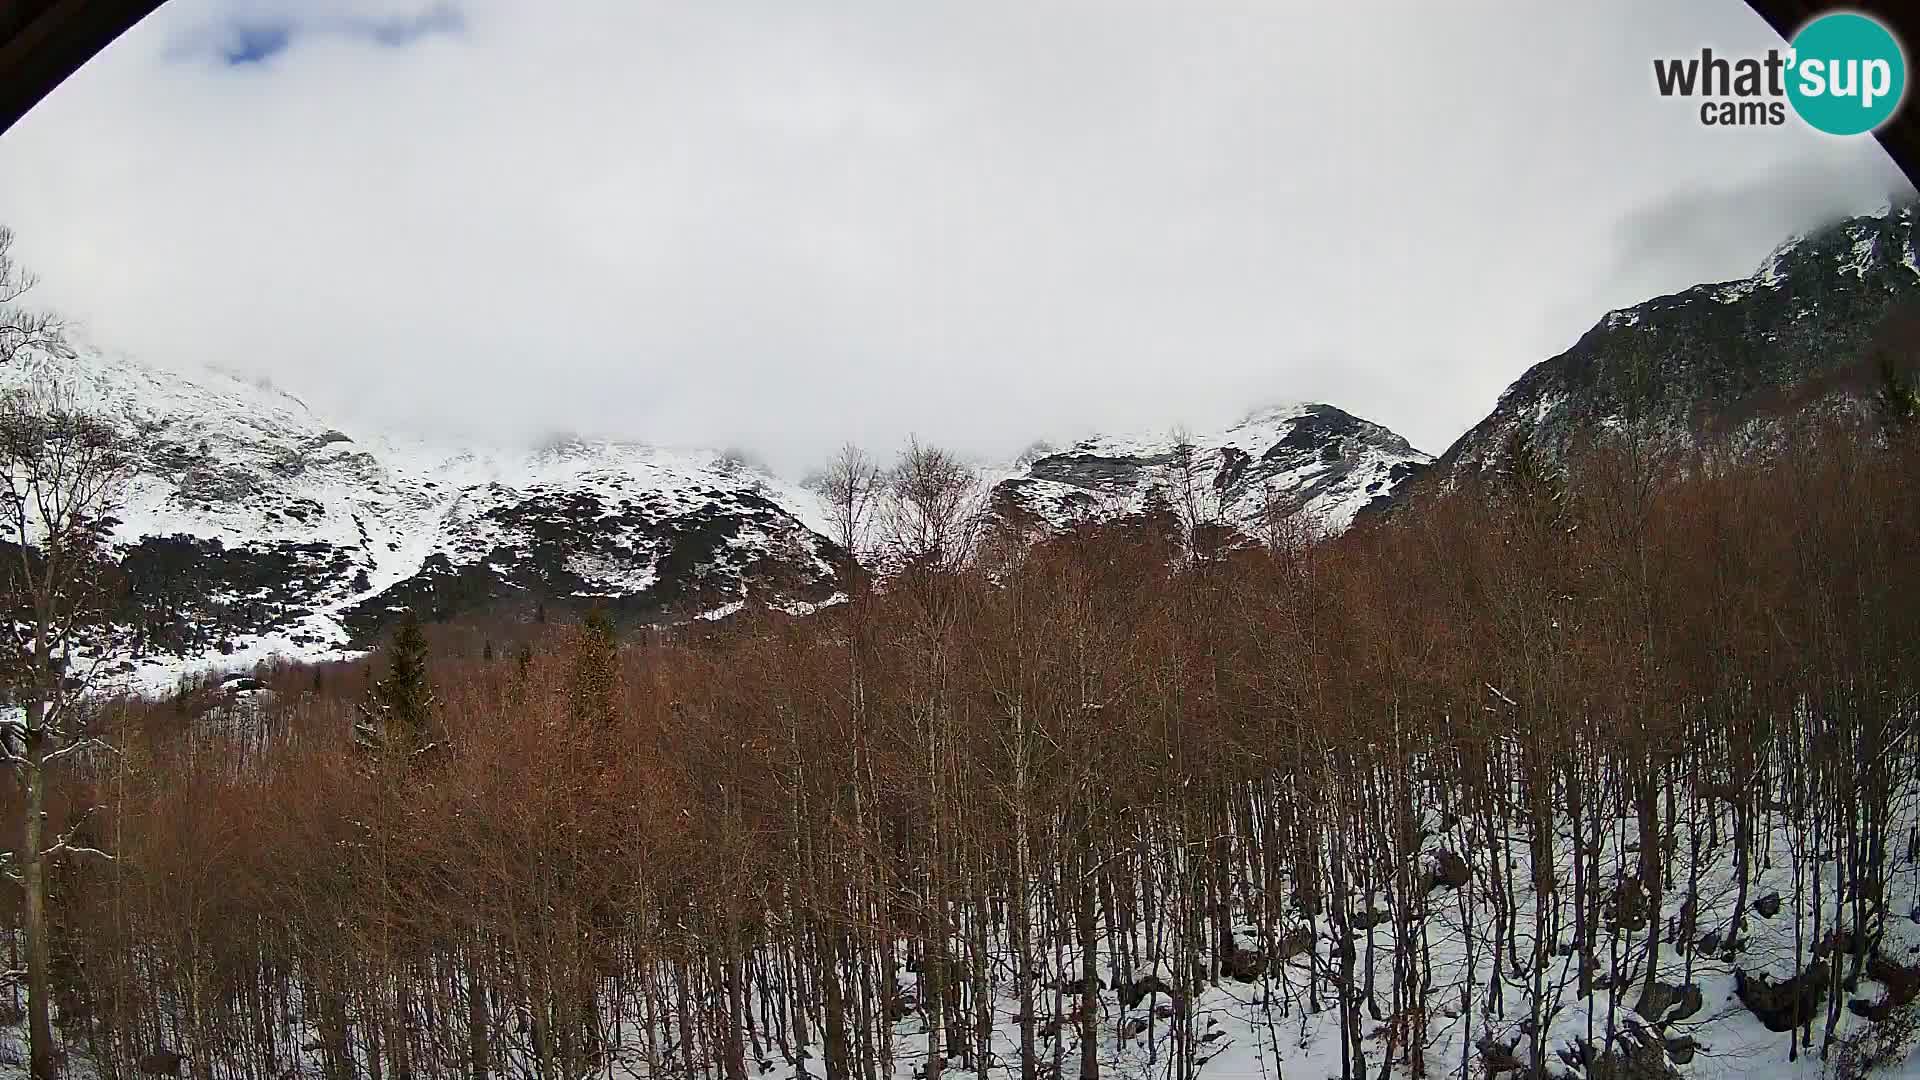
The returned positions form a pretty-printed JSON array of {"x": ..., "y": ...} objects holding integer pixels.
[{"x": 995, "y": 783}]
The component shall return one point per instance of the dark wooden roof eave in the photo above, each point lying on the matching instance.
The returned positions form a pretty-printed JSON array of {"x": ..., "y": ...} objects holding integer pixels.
[{"x": 44, "y": 41}]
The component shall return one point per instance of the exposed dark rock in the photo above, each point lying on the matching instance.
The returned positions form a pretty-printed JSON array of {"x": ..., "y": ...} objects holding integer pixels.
[
  {"x": 1716, "y": 360},
  {"x": 1233, "y": 468},
  {"x": 1135, "y": 991},
  {"x": 1095, "y": 472},
  {"x": 1242, "y": 964},
  {"x": 1445, "y": 869},
  {"x": 1668, "y": 1002},
  {"x": 181, "y": 594},
  {"x": 1315, "y": 460},
  {"x": 1295, "y": 942},
  {"x": 1075, "y": 987},
  {"x": 1782, "y": 1006},
  {"x": 162, "y": 1063},
  {"x": 1497, "y": 1057},
  {"x": 1368, "y": 918},
  {"x": 1635, "y": 1051}
]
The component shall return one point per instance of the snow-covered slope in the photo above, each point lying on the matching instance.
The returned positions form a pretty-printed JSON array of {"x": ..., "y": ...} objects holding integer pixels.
[
  {"x": 254, "y": 526},
  {"x": 1310, "y": 463}
]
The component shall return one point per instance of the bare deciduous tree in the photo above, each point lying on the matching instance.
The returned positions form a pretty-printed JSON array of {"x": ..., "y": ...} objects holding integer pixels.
[
  {"x": 934, "y": 509},
  {"x": 22, "y": 329},
  {"x": 849, "y": 488},
  {"x": 61, "y": 473}
]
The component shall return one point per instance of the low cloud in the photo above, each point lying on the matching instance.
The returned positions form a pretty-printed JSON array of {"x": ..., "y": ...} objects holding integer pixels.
[
  {"x": 784, "y": 225},
  {"x": 1685, "y": 236}
]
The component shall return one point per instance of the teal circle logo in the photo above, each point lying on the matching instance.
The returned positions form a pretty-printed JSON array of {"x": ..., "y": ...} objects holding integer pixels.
[{"x": 1847, "y": 74}]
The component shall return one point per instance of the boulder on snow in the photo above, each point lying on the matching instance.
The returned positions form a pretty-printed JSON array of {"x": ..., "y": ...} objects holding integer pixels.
[
  {"x": 1497, "y": 1058},
  {"x": 161, "y": 1063},
  {"x": 1634, "y": 1051},
  {"x": 1785, "y": 1005},
  {"x": 1692, "y": 1000},
  {"x": 1626, "y": 907},
  {"x": 1768, "y": 906},
  {"x": 1296, "y": 942},
  {"x": 1443, "y": 869},
  {"x": 1668, "y": 1002},
  {"x": 1135, "y": 991},
  {"x": 1900, "y": 981},
  {"x": 1242, "y": 964},
  {"x": 1076, "y": 987},
  {"x": 1368, "y": 918}
]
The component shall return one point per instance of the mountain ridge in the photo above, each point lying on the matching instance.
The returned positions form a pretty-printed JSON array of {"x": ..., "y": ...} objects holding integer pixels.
[
  {"x": 1720, "y": 358},
  {"x": 254, "y": 526}
]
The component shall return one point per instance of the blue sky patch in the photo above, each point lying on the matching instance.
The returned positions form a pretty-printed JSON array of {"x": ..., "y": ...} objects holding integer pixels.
[
  {"x": 254, "y": 43},
  {"x": 253, "y": 40}
]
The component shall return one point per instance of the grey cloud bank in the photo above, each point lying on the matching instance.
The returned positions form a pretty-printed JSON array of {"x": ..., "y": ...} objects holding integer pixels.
[{"x": 783, "y": 226}]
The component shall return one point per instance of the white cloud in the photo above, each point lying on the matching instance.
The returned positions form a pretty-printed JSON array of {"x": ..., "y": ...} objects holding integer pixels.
[{"x": 781, "y": 226}]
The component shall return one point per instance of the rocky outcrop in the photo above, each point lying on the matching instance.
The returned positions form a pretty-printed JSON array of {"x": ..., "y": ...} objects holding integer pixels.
[
  {"x": 1313, "y": 465},
  {"x": 1784, "y": 1005},
  {"x": 1730, "y": 361}
]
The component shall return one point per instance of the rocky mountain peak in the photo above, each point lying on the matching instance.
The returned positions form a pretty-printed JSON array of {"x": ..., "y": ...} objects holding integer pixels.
[
  {"x": 1723, "y": 359},
  {"x": 1308, "y": 461}
]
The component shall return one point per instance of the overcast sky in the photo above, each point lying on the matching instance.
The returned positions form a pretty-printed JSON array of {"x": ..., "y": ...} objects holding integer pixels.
[{"x": 783, "y": 225}]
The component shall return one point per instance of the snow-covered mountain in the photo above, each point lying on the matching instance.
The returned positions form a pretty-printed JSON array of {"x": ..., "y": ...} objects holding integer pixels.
[
  {"x": 1314, "y": 464},
  {"x": 255, "y": 526}
]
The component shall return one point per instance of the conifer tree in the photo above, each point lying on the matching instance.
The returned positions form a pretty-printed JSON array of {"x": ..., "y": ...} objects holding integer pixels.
[
  {"x": 1530, "y": 478},
  {"x": 400, "y": 707},
  {"x": 596, "y": 671},
  {"x": 1899, "y": 398}
]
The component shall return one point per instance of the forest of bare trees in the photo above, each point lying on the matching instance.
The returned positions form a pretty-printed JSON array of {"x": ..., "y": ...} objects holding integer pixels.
[{"x": 1589, "y": 743}]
